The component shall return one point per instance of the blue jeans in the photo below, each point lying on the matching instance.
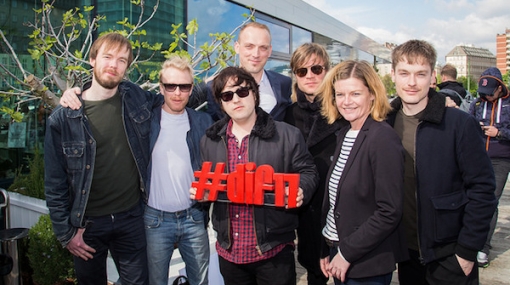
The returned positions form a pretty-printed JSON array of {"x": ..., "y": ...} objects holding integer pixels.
[
  {"x": 184, "y": 228},
  {"x": 123, "y": 234}
]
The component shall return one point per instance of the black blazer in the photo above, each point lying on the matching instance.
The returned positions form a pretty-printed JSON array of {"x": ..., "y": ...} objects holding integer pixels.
[{"x": 369, "y": 203}]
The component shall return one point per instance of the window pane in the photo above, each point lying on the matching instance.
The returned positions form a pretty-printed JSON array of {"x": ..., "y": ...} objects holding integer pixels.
[
  {"x": 299, "y": 37},
  {"x": 280, "y": 36}
]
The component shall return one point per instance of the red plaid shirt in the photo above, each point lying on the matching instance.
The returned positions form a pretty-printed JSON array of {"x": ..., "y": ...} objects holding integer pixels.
[{"x": 244, "y": 248}]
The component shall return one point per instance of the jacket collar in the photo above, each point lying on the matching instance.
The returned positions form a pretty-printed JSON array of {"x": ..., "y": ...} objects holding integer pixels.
[
  {"x": 264, "y": 128},
  {"x": 434, "y": 111},
  {"x": 303, "y": 102}
]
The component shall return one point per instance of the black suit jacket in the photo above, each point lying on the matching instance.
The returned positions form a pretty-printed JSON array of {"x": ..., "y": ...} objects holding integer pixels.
[{"x": 369, "y": 203}]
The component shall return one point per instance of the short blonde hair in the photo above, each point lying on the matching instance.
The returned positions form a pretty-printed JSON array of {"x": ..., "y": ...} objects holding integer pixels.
[
  {"x": 255, "y": 25},
  {"x": 176, "y": 61},
  {"x": 363, "y": 71}
]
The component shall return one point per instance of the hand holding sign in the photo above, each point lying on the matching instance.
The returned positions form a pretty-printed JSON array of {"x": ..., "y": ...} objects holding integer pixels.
[{"x": 247, "y": 184}]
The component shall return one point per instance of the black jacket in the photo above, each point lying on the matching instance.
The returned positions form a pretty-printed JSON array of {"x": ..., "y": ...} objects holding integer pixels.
[
  {"x": 320, "y": 139},
  {"x": 275, "y": 143},
  {"x": 455, "y": 86},
  {"x": 455, "y": 181},
  {"x": 369, "y": 201}
]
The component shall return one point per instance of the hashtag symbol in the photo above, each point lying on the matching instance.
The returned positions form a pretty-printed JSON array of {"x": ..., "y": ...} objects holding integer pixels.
[{"x": 210, "y": 181}]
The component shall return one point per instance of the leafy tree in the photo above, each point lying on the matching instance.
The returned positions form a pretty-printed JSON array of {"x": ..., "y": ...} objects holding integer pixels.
[
  {"x": 469, "y": 83},
  {"x": 63, "y": 45},
  {"x": 389, "y": 85}
]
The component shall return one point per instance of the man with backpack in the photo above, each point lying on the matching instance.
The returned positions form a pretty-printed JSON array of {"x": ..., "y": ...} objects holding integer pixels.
[{"x": 453, "y": 89}]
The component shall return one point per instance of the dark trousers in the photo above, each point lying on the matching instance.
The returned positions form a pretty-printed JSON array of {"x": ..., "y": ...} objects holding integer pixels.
[
  {"x": 278, "y": 270},
  {"x": 501, "y": 168},
  {"x": 310, "y": 236},
  {"x": 122, "y": 234},
  {"x": 444, "y": 271}
]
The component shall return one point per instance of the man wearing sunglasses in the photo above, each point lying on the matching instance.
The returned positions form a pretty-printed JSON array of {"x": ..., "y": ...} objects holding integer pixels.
[
  {"x": 310, "y": 62},
  {"x": 254, "y": 49},
  {"x": 255, "y": 244},
  {"x": 492, "y": 110},
  {"x": 171, "y": 217}
]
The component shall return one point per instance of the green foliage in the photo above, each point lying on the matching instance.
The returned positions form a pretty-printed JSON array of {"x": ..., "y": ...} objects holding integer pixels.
[
  {"x": 31, "y": 183},
  {"x": 60, "y": 49},
  {"x": 51, "y": 263},
  {"x": 469, "y": 84},
  {"x": 505, "y": 77},
  {"x": 389, "y": 85}
]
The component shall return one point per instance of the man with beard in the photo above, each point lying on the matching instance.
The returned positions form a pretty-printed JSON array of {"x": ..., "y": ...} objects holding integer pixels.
[{"x": 96, "y": 160}]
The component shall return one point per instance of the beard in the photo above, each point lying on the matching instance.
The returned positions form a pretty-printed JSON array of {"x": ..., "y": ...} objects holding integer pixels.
[{"x": 106, "y": 83}]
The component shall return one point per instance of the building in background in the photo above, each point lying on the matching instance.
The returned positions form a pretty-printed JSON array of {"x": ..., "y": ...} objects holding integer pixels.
[
  {"x": 503, "y": 51},
  {"x": 470, "y": 61},
  {"x": 291, "y": 22}
]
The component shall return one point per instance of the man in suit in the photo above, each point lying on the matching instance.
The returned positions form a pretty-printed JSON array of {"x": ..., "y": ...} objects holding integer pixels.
[{"x": 254, "y": 48}]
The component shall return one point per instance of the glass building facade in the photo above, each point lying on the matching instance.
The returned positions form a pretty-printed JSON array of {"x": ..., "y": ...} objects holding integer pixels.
[{"x": 18, "y": 140}]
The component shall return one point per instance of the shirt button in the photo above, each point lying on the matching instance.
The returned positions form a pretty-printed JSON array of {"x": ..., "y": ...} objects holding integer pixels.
[
  {"x": 83, "y": 192},
  {"x": 87, "y": 167},
  {"x": 236, "y": 234},
  {"x": 237, "y": 216},
  {"x": 239, "y": 157},
  {"x": 90, "y": 141}
]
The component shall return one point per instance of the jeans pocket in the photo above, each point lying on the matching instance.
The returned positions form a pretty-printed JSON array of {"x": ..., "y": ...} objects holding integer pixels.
[
  {"x": 196, "y": 216},
  {"x": 151, "y": 221}
]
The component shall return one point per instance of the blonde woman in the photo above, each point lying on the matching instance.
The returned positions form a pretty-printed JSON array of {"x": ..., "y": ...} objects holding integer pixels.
[{"x": 362, "y": 207}]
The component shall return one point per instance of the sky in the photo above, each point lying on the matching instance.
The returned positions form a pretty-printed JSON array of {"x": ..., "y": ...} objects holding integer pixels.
[{"x": 445, "y": 24}]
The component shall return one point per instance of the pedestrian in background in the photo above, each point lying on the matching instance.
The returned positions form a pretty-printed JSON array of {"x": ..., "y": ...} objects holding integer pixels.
[{"x": 492, "y": 110}]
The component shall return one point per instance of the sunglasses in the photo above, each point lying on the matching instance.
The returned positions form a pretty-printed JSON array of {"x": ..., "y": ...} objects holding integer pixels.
[
  {"x": 242, "y": 92},
  {"x": 316, "y": 69},
  {"x": 170, "y": 87}
]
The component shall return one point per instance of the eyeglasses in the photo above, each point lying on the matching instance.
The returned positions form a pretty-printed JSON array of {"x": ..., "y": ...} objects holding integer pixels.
[
  {"x": 242, "y": 92},
  {"x": 316, "y": 69},
  {"x": 170, "y": 87}
]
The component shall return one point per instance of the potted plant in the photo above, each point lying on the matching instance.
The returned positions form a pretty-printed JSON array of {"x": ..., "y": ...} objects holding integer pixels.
[
  {"x": 26, "y": 194},
  {"x": 51, "y": 264}
]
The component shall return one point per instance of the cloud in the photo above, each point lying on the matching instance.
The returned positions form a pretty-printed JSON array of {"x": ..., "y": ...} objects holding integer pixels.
[{"x": 444, "y": 23}]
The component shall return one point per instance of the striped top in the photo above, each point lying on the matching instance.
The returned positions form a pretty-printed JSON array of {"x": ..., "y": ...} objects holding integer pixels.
[{"x": 329, "y": 230}]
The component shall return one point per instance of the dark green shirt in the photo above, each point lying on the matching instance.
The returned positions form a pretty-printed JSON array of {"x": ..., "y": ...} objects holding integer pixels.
[
  {"x": 406, "y": 126},
  {"x": 115, "y": 183}
]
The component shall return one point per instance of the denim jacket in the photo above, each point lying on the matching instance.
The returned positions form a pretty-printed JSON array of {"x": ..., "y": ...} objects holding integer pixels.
[
  {"x": 198, "y": 122},
  {"x": 70, "y": 151}
]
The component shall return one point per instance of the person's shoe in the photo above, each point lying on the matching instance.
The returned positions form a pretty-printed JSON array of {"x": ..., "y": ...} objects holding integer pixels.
[{"x": 483, "y": 259}]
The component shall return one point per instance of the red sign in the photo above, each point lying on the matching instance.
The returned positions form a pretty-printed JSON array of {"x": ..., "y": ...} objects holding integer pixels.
[{"x": 247, "y": 184}]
